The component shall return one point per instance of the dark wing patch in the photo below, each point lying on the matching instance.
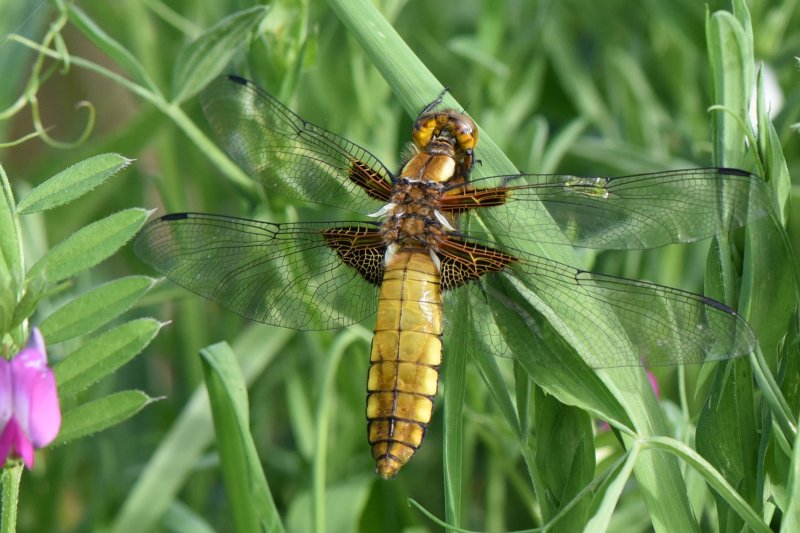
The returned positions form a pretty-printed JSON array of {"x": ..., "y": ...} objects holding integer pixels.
[{"x": 281, "y": 274}]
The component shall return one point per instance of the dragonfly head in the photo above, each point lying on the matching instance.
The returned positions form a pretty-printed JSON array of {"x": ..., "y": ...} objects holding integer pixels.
[{"x": 450, "y": 126}]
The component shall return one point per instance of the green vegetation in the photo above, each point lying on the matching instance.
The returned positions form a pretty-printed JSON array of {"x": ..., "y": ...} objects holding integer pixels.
[{"x": 607, "y": 88}]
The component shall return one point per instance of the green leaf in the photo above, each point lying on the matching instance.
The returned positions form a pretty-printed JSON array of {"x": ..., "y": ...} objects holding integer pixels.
[
  {"x": 769, "y": 150},
  {"x": 732, "y": 75},
  {"x": 206, "y": 57},
  {"x": 10, "y": 248},
  {"x": 72, "y": 182},
  {"x": 455, "y": 370},
  {"x": 34, "y": 291},
  {"x": 103, "y": 355},
  {"x": 11, "y": 259},
  {"x": 250, "y": 499},
  {"x": 180, "y": 450},
  {"x": 321, "y": 428},
  {"x": 99, "y": 415},
  {"x": 791, "y": 515},
  {"x": 549, "y": 360},
  {"x": 89, "y": 245},
  {"x": 726, "y": 433},
  {"x": 601, "y": 519},
  {"x": 120, "y": 55},
  {"x": 564, "y": 456},
  {"x": 715, "y": 480},
  {"x": 94, "y": 308}
]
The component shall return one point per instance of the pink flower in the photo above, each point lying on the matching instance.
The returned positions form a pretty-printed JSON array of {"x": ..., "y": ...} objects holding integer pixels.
[
  {"x": 29, "y": 413},
  {"x": 654, "y": 383}
]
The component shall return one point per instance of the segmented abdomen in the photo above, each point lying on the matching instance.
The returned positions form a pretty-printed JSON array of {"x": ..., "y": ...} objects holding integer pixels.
[{"x": 405, "y": 358}]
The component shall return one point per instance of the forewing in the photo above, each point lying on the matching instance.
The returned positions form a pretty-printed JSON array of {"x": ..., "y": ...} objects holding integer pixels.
[
  {"x": 666, "y": 326},
  {"x": 282, "y": 151},
  {"x": 630, "y": 212},
  {"x": 280, "y": 274}
]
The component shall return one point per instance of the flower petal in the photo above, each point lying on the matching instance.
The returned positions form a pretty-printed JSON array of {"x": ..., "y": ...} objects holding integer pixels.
[
  {"x": 6, "y": 390},
  {"x": 13, "y": 440},
  {"x": 45, "y": 414},
  {"x": 35, "y": 399}
]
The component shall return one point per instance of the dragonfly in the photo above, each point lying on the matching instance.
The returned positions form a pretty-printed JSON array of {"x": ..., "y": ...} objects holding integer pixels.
[{"x": 432, "y": 229}]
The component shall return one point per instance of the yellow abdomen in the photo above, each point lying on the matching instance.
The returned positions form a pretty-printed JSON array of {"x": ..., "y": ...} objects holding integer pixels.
[{"x": 405, "y": 358}]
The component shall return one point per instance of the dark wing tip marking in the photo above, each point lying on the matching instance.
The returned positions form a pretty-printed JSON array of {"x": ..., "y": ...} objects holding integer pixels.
[
  {"x": 238, "y": 79},
  {"x": 735, "y": 172},
  {"x": 175, "y": 216},
  {"x": 717, "y": 305}
]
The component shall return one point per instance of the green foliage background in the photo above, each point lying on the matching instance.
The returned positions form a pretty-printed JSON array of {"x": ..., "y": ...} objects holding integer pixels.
[{"x": 609, "y": 87}]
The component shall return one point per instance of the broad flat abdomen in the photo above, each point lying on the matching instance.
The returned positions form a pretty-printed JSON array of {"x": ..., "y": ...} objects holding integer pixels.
[{"x": 405, "y": 358}]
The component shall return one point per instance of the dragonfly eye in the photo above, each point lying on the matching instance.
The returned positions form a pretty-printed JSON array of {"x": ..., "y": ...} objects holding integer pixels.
[
  {"x": 456, "y": 128},
  {"x": 424, "y": 129},
  {"x": 465, "y": 132}
]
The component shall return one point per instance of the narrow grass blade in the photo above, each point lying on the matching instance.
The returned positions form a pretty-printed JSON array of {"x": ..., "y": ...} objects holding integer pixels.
[
  {"x": 10, "y": 251},
  {"x": 179, "y": 451},
  {"x": 249, "y": 496},
  {"x": 455, "y": 368}
]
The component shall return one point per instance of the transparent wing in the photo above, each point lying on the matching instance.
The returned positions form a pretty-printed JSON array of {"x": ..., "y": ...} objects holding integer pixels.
[
  {"x": 282, "y": 151},
  {"x": 665, "y": 326},
  {"x": 630, "y": 212},
  {"x": 282, "y": 274}
]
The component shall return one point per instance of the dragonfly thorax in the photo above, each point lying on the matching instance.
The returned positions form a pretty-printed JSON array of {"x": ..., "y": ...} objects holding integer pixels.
[{"x": 413, "y": 218}]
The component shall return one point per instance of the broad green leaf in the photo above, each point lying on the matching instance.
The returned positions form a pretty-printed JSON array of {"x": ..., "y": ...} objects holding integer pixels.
[
  {"x": 726, "y": 433},
  {"x": 94, "y": 308},
  {"x": 498, "y": 388},
  {"x": 564, "y": 456},
  {"x": 184, "y": 445},
  {"x": 770, "y": 152},
  {"x": 727, "y": 427},
  {"x": 715, "y": 480},
  {"x": 206, "y": 57},
  {"x": 550, "y": 361},
  {"x": 605, "y": 510},
  {"x": 89, "y": 245},
  {"x": 101, "y": 414},
  {"x": 103, "y": 355},
  {"x": 769, "y": 294},
  {"x": 248, "y": 493},
  {"x": 732, "y": 76},
  {"x": 72, "y": 183}
]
